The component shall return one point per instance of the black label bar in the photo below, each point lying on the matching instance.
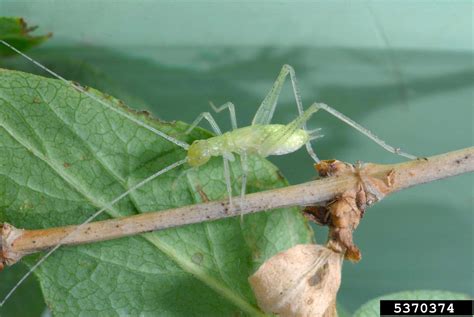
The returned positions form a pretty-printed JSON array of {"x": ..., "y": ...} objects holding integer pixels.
[{"x": 427, "y": 307}]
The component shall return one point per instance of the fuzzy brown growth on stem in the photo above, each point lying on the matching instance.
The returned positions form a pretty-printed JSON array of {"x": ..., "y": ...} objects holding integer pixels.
[{"x": 343, "y": 214}]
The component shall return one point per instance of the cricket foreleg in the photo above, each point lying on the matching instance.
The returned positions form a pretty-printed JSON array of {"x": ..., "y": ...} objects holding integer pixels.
[
  {"x": 209, "y": 118},
  {"x": 231, "y": 107},
  {"x": 364, "y": 131}
]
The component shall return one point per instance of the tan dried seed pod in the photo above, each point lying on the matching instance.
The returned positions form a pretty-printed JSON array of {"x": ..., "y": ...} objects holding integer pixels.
[{"x": 300, "y": 282}]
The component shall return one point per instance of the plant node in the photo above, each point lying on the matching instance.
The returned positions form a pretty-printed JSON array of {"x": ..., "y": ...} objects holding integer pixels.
[{"x": 343, "y": 214}]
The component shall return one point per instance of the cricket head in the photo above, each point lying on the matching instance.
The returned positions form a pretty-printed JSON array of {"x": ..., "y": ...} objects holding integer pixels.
[{"x": 198, "y": 153}]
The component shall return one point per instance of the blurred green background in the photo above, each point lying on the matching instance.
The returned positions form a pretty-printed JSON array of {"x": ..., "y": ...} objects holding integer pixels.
[{"x": 403, "y": 69}]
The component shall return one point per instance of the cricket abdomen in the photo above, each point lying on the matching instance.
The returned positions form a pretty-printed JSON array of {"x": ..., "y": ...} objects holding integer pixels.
[{"x": 290, "y": 143}]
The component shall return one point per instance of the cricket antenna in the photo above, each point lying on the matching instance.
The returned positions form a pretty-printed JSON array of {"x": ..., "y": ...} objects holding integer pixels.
[
  {"x": 179, "y": 143},
  {"x": 95, "y": 215}
]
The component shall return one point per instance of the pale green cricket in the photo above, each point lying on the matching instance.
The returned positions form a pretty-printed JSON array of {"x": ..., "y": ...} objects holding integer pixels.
[
  {"x": 260, "y": 138},
  {"x": 263, "y": 138}
]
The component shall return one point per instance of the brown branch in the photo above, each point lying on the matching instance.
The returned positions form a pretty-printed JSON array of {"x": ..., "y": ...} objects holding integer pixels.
[{"x": 15, "y": 243}]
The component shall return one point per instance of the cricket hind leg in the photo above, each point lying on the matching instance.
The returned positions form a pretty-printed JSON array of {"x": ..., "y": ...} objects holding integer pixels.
[
  {"x": 343, "y": 118},
  {"x": 364, "y": 131},
  {"x": 265, "y": 112},
  {"x": 299, "y": 106},
  {"x": 228, "y": 105}
]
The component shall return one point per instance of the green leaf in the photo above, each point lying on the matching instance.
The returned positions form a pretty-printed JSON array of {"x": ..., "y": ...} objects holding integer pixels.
[
  {"x": 28, "y": 292},
  {"x": 63, "y": 156},
  {"x": 342, "y": 311},
  {"x": 372, "y": 307},
  {"x": 16, "y": 32}
]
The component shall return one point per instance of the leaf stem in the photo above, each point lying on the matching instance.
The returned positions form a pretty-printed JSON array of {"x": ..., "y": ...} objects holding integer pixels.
[{"x": 15, "y": 243}]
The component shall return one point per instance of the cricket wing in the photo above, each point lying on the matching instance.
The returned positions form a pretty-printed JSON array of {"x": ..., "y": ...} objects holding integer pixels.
[{"x": 275, "y": 141}]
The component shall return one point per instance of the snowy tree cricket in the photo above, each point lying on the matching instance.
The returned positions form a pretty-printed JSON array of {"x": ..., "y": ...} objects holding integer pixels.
[{"x": 261, "y": 138}]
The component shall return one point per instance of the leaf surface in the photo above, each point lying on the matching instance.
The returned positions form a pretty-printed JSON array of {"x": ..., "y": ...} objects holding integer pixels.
[
  {"x": 28, "y": 292},
  {"x": 16, "y": 32},
  {"x": 63, "y": 156}
]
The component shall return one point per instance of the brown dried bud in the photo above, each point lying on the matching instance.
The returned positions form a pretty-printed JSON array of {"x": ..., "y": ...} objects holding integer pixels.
[
  {"x": 300, "y": 282},
  {"x": 345, "y": 217},
  {"x": 343, "y": 214},
  {"x": 317, "y": 214},
  {"x": 332, "y": 167}
]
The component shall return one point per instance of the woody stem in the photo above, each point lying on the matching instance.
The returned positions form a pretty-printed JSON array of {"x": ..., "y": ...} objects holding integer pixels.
[{"x": 15, "y": 243}]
